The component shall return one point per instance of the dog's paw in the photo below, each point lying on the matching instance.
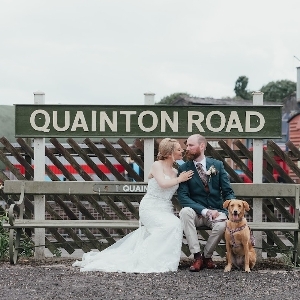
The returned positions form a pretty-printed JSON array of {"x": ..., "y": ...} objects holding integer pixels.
[
  {"x": 227, "y": 268},
  {"x": 247, "y": 270}
]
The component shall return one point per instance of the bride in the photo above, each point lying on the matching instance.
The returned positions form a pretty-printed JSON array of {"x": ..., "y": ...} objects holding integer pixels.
[{"x": 156, "y": 245}]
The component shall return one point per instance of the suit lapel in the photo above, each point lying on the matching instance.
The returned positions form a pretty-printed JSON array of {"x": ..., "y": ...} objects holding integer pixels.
[{"x": 208, "y": 163}]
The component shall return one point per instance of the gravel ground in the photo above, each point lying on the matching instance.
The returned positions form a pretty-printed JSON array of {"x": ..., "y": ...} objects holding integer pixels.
[{"x": 55, "y": 278}]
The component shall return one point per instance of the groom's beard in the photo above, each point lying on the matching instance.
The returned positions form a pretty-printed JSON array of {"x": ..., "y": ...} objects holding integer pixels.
[{"x": 192, "y": 156}]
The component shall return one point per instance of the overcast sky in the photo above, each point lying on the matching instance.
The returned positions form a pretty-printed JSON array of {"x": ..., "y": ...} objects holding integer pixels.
[{"x": 113, "y": 51}]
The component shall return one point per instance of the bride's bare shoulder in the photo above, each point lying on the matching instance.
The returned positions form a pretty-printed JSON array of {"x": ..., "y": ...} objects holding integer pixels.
[
  {"x": 157, "y": 165},
  {"x": 175, "y": 171},
  {"x": 155, "y": 168}
]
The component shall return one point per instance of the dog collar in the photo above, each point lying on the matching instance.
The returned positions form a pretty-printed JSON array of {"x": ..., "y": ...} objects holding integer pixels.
[
  {"x": 236, "y": 229},
  {"x": 237, "y": 221}
]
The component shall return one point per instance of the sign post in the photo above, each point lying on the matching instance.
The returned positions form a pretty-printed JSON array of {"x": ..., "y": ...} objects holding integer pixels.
[
  {"x": 257, "y": 177},
  {"x": 148, "y": 143},
  {"x": 39, "y": 175}
]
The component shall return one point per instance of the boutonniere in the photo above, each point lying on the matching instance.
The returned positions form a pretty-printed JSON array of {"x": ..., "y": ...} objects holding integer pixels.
[{"x": 211, "y": 171}]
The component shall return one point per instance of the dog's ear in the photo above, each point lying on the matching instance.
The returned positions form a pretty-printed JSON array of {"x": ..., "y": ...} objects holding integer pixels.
[
  {"x": 246, "y": 205},
  {"x": 226, "y": 203}
]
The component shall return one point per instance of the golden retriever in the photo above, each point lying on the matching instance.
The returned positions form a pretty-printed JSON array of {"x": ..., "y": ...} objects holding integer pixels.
[{"x": 240, "y": 251}]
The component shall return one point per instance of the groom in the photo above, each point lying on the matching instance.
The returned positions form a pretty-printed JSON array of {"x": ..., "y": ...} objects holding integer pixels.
[{"x": 202, "y": 200}]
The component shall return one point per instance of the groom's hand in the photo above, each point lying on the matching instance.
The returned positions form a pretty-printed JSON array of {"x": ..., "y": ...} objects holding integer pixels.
[{"x": 213, "y": 213}]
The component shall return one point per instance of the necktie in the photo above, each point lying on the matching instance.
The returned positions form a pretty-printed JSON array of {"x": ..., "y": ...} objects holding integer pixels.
[{"x": 201, "y": 173}]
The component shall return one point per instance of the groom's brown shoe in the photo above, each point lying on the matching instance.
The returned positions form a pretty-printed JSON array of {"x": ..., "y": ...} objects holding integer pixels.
[
  {"x": 197, "y": 265},
  {"x": 208, "y": 263}
]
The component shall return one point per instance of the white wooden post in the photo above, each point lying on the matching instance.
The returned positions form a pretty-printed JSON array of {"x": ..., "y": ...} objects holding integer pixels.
[
  {"x": 298, "y": 86},
  {"x": 298, "y": 102},
  {"x": 148, "y": 143},
  {"x": 257, "y": 177},
  {"x": 39, "y": 175}
]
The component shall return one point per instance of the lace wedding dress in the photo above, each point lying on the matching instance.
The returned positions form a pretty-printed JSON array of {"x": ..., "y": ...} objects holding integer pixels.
[{"x": 154, "y": 247}]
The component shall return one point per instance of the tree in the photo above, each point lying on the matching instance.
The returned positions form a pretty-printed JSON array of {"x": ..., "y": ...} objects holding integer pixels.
[
  {"x": 169, "y": 99},
  {"x": 240, "y": 88},
  {"x": 278, "y": 90}
]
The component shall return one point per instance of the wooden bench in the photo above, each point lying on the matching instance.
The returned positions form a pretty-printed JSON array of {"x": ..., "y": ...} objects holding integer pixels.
[
  {"x": 22, "y": 188},
  {"x": 264, "y": 191}
]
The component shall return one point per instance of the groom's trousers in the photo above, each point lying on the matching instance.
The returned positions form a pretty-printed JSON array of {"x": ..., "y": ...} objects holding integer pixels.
[{"x": 190, "y": 220}]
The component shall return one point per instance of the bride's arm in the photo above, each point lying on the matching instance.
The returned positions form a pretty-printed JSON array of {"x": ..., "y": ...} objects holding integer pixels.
[{"x": 157, "y": 172}]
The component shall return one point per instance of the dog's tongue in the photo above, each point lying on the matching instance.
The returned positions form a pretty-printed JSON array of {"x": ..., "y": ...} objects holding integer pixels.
[{"x": 235, "y": 217}]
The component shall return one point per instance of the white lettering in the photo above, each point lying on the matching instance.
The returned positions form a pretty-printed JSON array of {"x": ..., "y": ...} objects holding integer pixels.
[
  {"x": 222, "y": 121},
  {"x": 135, "y": 188},
  {"x": 154, "y": 121},
  {"x": 260, "y": 121},
  {"x": 79, "y": 122},
  {"x": 196, "y": 122},
  {"x": 94, "y": 123},
  {"x": 164, "y": 118},
  {"x": 141, "y": 122},
  {"x": 67, "y": 121},
  {"x": 113, "y": 125},
  {"x": 43, "y": 128},
  {"x": 234, "y": 122},
  {"x": 127, "y": 118}
]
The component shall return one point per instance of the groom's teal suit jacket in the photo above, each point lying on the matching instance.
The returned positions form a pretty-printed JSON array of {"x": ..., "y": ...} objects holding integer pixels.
[{"x": 192, "y": 193}]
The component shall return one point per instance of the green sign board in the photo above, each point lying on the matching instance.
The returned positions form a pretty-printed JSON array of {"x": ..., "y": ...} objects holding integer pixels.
[{"x": 147, "y": 121}]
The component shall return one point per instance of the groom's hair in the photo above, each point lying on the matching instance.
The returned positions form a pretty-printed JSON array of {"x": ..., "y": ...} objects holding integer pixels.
[{"x": 200, "y": 138}]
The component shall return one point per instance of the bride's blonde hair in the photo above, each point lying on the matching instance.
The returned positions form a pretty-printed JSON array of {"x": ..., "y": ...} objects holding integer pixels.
[{"x": 166, "y": 147}]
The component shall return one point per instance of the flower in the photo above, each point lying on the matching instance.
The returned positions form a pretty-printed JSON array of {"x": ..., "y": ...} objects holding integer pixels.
[{"x": 211, "y": 171}]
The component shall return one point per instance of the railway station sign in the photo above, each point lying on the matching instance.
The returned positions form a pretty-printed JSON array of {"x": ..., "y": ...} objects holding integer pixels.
[{"x": 147, "y": 121}]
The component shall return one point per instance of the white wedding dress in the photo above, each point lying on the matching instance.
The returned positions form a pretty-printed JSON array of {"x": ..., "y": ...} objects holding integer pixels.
[{"x": 154, "y": 247}]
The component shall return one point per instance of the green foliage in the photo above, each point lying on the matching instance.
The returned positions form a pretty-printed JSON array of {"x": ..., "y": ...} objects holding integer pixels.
[
  {"x": 287, "y": 258},
  {"x": 57, "y": 253},
  {"x": 241, "y": 88},
  {"x": 169, "y": 99},
  {"x": 26, "y": 244},
  {"x": 278, "y": 90}
]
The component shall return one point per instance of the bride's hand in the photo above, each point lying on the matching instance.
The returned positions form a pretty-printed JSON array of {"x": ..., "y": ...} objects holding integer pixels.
[{"x": 185, "y": 175}]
